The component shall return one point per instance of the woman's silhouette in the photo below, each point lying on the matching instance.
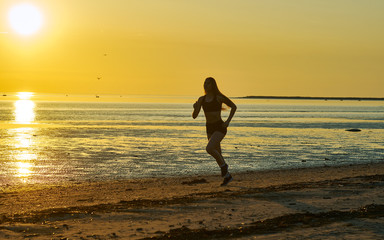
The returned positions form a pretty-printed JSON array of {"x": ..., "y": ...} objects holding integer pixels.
[{"x": 216, "y": 128}]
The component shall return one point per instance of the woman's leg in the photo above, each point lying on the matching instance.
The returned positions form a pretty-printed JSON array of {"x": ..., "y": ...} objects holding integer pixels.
[
  {"x": 219, "y": 147},
  {"x": 214, "y": 148}
]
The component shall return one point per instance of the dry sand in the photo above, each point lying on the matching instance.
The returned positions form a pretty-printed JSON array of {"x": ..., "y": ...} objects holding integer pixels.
[{"x": 317, "y": 203}]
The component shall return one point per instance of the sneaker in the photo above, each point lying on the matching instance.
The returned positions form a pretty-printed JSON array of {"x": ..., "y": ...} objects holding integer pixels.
[
  {"x": 224, "y": 170},
  {"x": 227, "y": 180}
]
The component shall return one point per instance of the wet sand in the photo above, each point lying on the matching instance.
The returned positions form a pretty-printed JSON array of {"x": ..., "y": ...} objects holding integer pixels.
[{"x": 315, "y": 203}]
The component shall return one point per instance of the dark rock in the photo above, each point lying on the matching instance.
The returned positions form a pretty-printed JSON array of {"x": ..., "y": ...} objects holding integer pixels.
[{"x": 353, "y": 130}]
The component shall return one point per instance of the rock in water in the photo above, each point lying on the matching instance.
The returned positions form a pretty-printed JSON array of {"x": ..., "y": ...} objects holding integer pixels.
[{"x": 353, "y": 130}]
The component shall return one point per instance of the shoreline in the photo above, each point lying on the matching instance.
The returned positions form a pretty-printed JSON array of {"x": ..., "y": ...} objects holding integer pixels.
[
  {"x": 23, "y": 186},
  {"x": 195, "y": 206}
]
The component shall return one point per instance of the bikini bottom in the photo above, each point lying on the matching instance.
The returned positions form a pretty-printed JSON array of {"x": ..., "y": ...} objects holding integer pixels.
[{"x": 216, "y": 126}]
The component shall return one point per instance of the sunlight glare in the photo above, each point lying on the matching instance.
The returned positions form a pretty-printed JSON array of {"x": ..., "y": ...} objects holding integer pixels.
[
  {"x": 24, "y": 154},
  {"x": 23, "y": 137},
  {"x": 23, "y": 169},
  {"x": 25, "y": 19},
  {"x": 24, "y": 111},
  {"x": 24, "y": 95}
]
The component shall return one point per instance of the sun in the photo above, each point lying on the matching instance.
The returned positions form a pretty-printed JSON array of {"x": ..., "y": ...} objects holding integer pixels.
[{"x": 25, "y": 19}]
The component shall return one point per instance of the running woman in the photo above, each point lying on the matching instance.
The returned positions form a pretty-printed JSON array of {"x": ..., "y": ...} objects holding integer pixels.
[{"x": 216, "y": 128}]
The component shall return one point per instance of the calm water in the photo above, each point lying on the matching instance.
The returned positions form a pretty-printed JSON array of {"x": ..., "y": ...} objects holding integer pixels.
[{"x": 77, "y": 141}]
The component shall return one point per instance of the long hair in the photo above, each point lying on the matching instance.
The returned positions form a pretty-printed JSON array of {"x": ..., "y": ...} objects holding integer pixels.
[{"x": 215, "y": 89}]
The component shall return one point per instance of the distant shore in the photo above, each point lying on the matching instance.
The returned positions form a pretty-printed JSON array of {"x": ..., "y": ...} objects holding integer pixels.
[{"x": 316, "y": 98}]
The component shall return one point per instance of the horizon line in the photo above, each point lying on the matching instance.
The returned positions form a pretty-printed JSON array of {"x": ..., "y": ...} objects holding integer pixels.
[{"x": 12, "y": 94}]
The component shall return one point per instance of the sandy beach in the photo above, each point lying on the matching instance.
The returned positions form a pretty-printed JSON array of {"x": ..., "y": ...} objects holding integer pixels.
[{"x": 315, "y": 203}]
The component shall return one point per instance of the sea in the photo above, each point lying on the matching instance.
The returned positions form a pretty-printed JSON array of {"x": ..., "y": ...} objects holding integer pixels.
[{"x": 101, "y": 138}]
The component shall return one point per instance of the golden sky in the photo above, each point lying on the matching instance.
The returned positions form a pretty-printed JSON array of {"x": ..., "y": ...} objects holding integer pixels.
[{"x": 168, "y": 47}]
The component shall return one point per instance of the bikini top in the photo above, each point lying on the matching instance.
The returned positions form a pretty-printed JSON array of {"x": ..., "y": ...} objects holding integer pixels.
[{"x": 214, "y": 105}]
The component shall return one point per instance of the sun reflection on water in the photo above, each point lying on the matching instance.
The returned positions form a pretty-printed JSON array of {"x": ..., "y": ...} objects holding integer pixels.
[
  {"x": 24, "y": 170},
  {"x": 24, "y": 113}
]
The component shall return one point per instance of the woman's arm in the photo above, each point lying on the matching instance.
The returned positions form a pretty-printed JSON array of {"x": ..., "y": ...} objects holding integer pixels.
[
  {"x": 197, "y": 107},
  {"x": 233, "y": 107}
]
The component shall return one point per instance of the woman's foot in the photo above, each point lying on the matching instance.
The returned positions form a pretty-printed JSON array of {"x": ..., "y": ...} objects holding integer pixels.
[{"x": 227, "y": 180}]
